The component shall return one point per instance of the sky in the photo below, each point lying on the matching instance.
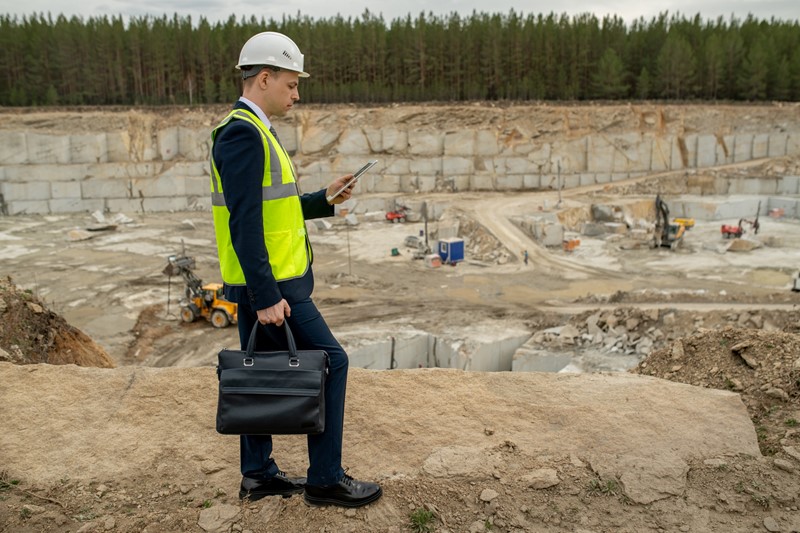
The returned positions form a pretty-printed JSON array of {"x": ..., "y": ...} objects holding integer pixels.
[{"x": 216, "y": 10}]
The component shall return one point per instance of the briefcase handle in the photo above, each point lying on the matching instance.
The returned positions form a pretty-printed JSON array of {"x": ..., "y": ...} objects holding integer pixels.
[{"x": 251, "y": 343}]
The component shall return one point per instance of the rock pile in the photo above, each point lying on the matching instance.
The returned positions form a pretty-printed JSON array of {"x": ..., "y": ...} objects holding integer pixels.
[
  {"x": 763, "y": 366},
  {"x": 30, "y": 333}
]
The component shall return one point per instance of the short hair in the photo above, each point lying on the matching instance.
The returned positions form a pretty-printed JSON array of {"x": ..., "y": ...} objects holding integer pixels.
[{"x": 253, "y": 70}]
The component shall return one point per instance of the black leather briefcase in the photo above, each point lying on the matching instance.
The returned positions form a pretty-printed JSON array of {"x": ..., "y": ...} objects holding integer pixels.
[{"x": 271, "y": 393}]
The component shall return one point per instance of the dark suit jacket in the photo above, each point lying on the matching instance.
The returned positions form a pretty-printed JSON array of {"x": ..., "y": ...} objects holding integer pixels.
[{"x": 239, "y": 156}]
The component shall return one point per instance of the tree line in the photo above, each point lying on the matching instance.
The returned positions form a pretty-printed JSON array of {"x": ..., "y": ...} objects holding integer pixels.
[{"x": 483, "y": 56}]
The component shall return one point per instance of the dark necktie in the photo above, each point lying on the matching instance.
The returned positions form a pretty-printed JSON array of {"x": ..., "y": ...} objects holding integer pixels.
[{"x": 274, "y": 134}]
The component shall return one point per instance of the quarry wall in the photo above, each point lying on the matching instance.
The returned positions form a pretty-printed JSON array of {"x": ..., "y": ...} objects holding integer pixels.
[{"x": 149, "y": 165}]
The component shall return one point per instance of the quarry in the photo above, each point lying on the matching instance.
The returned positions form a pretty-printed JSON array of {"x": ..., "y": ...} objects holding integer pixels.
[{"x": 511, "y": 370}]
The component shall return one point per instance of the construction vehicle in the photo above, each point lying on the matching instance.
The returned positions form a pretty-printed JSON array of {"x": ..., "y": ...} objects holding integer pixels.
[
  {"x": 688, "y": 223},
  {"x": 398, "y": 215},
  {"x": 201, "y": 300},
  {"x": 667, "y": 235},
  {"x": 730, "y": 231},
  {"x": 734, "y": 232}
]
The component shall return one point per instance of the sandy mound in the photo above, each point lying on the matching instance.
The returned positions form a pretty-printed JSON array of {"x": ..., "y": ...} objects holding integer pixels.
[{"x": 31, "y": 333}]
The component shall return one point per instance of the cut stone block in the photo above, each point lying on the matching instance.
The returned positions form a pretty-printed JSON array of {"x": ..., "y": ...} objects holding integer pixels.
[
  {"x": 100, "y": 188},
  {"x": 118, "y": 147},
  {"x": 387, "y": 184},
  {"x": 509, "y": 183},
  {"x": 760, "y": 145},
  {"x": 88, "y": 148},
  {"x": 353, "y": 142},
  {"x": 13, "y": 148},
  {"x": 743, "y": 148},
  {"x": 160, "y": 186},
  {"x": 430, "y": 143},
  {"x": 317, "y": 139},
  {"x": 661, "y": 154},
  {"x": 600, "y": 154},
  {"x": 486, "y": 143},
  {"x": 168, "y": 144},
  {"x": 195, "y": 145},
  {"x": 520, "y": 165},
  {"x": 65, "y": 189},
  {"x": 531, "y": 181},
  {"x": 426, "y": 165},
  {"x": 31, "y": 190},
  {"x": 44, "y": 149},
  {"x": 460, "y": 183},
  {"x": 375, "y": 139},
  {"x": 793, "y": 144},
  {"x": 460, "y": 143},
  {"x": 631, "y": 151},
  {"x": 28, "y": 207},
  {"x": 481, "y": 182},
  {"x": 397, "y": 166},
  {"x": 394, "y": 141},
  {"x": 457, "y": 165},
  {"x": 777, "y": 144},
  {"x": 725, "y": 146},
  {"x": 197, "y": 186},
  {"x": 706, "y": 151},
  {"x": 75, "y": 205}
]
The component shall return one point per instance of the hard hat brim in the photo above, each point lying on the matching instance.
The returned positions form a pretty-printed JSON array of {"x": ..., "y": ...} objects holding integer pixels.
[{"x": 299, "y": 72}]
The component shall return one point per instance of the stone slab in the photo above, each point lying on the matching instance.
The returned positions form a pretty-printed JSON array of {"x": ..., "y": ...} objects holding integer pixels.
[
  {"x": 195, "y": 144},
  {"x": 508, "y": 183},
  {"x": 75, "y": 205},
  {"x": 793, "y": 144},
  {"x": 661, "y": 154},
  {"x": 457, "y": 165},
  {"x": 760, "y": 145},
  {"x": 27, "y": 207},
  {"x": 742, "y": 148},
  {"x": 50, "y": 173},
  {"x": 725, "y": 147},
  {"x": 31, "y": 190},
  {"x": 47, "y": 148},
  {"x": 790, "y": 206},
  {"x": 481, "y": 182},
  {"x": 486, "y": 143},
  {"x": 459, "y": 143},
  {"x": 13, "y": 148},
  {"x": 105, "y": 188},
  {"x": 706, "y": 151},
  {"x": 118, "y": 146},
  {"x": 353, "y": 142},
  {"x": 65, "y": 189},
  {"x": 168, "y": 146},
  {"x": 599, "y": 154},
  {"x": 777, "y": 144},
  {"x": 426, "y": 143},
  {"x": 394, "y": 141},
  {"x": 88, "y": 148}
]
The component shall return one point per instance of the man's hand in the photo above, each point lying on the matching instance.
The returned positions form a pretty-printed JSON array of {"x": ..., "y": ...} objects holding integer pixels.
[
  {"x": 274, "y": 314},
  {"x": 337, "y": 184}
]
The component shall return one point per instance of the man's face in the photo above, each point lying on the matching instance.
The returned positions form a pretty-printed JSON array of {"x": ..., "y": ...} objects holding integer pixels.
[{"x": 281, "y": 92}]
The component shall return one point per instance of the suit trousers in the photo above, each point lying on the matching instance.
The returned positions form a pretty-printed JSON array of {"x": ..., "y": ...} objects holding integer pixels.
[{"x": 325, "y": 449}]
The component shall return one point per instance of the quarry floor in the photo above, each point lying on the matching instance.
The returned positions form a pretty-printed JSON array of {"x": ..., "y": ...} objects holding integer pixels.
[{"x": 110, "y": 284}]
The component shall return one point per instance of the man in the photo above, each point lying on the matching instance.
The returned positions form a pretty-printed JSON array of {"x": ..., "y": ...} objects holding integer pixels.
[{"x": 265, "y": 259}]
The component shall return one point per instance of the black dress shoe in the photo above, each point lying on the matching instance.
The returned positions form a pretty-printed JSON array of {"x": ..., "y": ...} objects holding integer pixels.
[
  {"x": 280, "y": 485},
  {"x": 347, "y": 493}
]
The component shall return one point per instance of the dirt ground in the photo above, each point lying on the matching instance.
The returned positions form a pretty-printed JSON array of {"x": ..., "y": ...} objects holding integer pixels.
[{"x": 725, "y": 321}]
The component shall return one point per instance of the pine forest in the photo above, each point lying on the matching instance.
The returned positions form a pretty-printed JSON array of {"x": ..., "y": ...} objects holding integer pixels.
[{"x": 48, "y": 61}]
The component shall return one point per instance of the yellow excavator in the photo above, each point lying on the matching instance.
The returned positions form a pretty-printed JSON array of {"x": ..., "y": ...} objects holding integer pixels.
[
  {"x": 201, "y": 300},
  {"x": 667, "y": 235}
]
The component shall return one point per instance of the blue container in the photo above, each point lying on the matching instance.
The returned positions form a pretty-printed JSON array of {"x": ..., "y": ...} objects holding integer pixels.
[{"x": 451, "y": 250}]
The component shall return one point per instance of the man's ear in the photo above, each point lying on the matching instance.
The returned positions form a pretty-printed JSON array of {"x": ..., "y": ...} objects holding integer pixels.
[{"x": 263, "y": 77}]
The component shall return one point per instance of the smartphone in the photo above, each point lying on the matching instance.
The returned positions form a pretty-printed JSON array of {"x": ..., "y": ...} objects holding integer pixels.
[{"x": 358, "y": 173}]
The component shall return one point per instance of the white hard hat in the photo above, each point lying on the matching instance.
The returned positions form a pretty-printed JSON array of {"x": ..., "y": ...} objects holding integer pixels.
[{"x": 272, "y": 49}]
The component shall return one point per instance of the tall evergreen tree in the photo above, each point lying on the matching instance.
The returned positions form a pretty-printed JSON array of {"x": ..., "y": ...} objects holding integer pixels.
[{"x": 609, "y": 81}]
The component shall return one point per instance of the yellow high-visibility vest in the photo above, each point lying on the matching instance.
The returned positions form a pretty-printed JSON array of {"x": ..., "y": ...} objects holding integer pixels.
[{"x": 285, "y": 235}]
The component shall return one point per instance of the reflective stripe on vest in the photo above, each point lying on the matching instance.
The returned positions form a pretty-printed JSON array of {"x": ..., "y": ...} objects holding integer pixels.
[{"x": 285, "y": 234}]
